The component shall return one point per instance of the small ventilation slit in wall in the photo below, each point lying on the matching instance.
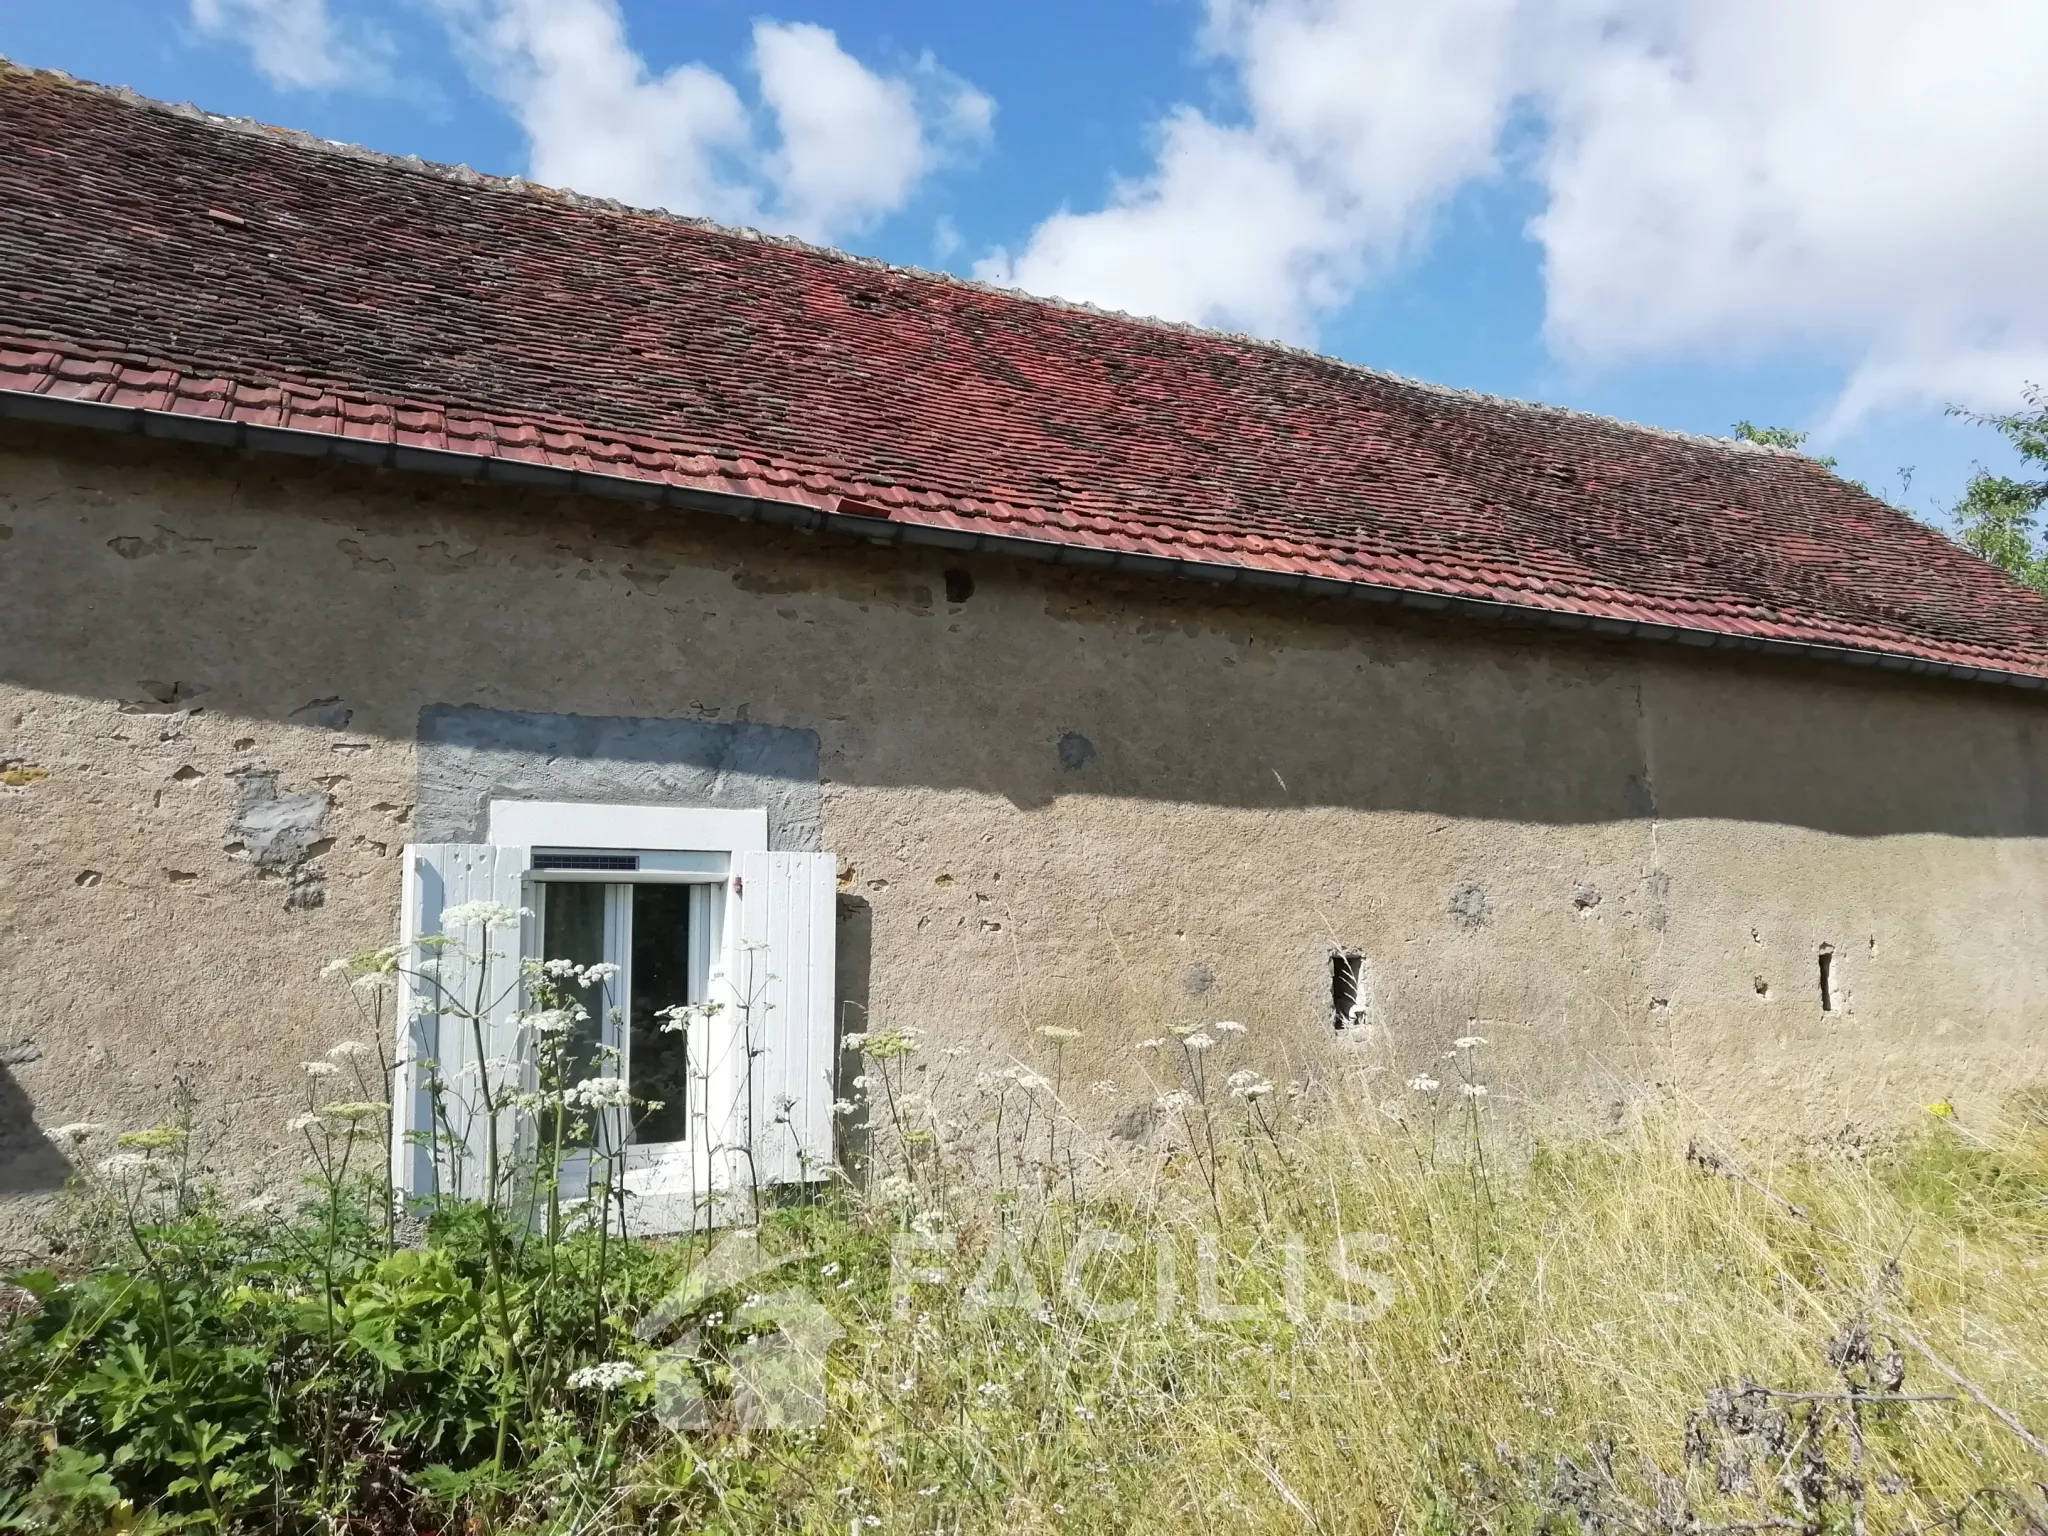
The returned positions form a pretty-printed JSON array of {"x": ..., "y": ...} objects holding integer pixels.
[
  {"x": 1827, "y": 978},
  {"x": 1347, "y": 988}
]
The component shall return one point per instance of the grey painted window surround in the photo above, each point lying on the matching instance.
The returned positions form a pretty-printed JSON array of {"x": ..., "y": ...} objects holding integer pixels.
[{"x": 468, "y": 754}]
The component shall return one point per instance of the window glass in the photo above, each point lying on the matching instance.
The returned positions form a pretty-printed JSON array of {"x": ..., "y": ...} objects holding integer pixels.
[
  {"x": 659, "y": 1059},
  {"x": 572, "y": 922}
]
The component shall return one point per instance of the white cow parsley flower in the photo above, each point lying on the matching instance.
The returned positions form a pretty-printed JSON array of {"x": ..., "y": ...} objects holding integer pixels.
[
  {"x": 607, "y": 1377},
  {"x": 482, "y": 914},
  {"x": 557, "y": 1021},
  {"x": 600, "y": 1093}
]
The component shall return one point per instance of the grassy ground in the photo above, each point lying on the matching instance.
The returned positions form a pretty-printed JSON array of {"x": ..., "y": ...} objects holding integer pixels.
[{"x": 1564, "y": 1341}]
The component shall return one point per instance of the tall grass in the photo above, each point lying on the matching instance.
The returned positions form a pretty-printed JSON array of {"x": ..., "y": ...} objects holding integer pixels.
[
  {"x": 1581, "y": 1303},
  {"x": 1560, "y": 1336}
]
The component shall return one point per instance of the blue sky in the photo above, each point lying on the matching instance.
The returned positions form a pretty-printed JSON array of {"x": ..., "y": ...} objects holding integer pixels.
[{"x": 1812, "y": 213}]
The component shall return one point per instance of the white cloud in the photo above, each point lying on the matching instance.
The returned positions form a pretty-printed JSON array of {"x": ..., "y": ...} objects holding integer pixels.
[
  {"x": 1866, "y": 179},
  {"x": 1359, "y": 119},
  {"x": 1226, "y": 231},
  {"x": 296, "y": 44},
  {"x": 596, "y": 119},
  {"x": 850, "y": 145}
]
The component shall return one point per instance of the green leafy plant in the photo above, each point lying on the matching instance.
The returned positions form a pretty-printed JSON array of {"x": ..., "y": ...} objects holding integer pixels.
[
  {"x": 1998, "y": 514},
  {"x": 1780, "y": 437}
]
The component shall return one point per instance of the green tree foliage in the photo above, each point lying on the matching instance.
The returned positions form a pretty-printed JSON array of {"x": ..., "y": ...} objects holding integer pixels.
[
  {"x": 1780, "y": 437},
  {"x": 1997, "y": 515}
]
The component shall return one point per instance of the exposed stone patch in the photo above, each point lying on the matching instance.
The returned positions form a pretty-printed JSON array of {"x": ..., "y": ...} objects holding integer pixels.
[
  {"x": 1076, "y": 751},
  {"x": 1470, "y": 907},
  {"x": 1585, "y": 898},
  {"x": 1133, "y": 1122},
  {"x": 1657, "y": 890},
  {"x": 169, "y": 541},
  {"x": 771, "y": 583},
  {"x": 648, "y": 572},
  {"x": 328, "y": 714},
  {"x": 173, "y": 698},
  {"x": 442, "y": 560},
  {"x": 278, "y": 831},
  {"x": 363, "y": 560}
]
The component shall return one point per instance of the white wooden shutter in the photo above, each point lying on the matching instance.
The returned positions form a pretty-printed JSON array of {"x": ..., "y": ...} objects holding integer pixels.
[
  {"x": 781, "y": 912},
  {"x": 486, "y": 964}
]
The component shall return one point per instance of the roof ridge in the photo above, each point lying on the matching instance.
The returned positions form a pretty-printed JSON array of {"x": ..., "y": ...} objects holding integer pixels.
[{"x": 465, "y": 175}]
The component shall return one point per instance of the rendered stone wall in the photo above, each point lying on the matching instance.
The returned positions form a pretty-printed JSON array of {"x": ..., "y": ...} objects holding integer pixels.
[{"x": 1067, "y": 799}]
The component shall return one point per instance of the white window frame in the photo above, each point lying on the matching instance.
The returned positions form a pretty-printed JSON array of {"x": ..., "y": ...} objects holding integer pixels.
[
  {"x": 672, "y": 844},
  {"x": 763, "y": 1064},
  {"x": 567, "y": 824}
]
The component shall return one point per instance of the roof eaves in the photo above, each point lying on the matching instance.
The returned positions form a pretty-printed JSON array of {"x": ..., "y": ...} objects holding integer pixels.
[{"x": 490, "y": 469}]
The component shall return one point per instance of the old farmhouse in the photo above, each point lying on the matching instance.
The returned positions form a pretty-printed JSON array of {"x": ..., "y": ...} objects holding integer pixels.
[{"x": 376, "y": 536}]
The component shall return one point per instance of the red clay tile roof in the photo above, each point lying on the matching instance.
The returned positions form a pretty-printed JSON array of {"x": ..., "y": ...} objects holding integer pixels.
[{"x": 155, "y": 257}]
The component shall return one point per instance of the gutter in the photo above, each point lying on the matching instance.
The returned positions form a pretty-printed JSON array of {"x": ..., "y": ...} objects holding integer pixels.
[{"x": 175, "y": 426}]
